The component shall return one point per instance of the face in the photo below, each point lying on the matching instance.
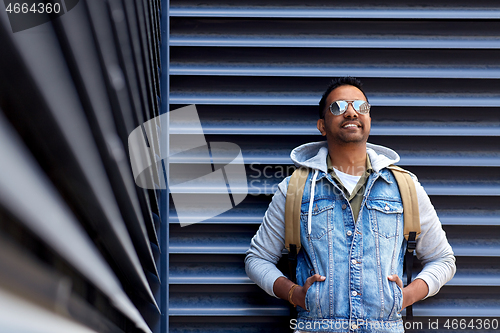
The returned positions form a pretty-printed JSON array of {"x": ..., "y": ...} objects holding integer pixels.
[{"x": 349, "y": 127}]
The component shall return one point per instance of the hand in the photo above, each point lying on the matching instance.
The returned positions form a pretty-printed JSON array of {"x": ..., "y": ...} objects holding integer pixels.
[
  {"x": 413, "y": 292},
  {"x": 395, "y": 278},
  {"x": 299, "y": 294}
]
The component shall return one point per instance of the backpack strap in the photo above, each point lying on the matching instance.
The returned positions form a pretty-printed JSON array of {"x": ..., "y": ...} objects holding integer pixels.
[
  {"x": 411, "y": 217},
  {"x": 292, "y": 217},
  {"x": 410, "y": 202}
]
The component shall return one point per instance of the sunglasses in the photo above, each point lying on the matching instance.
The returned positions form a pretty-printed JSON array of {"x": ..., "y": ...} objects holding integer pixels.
[{"x": 339, "y": 107}]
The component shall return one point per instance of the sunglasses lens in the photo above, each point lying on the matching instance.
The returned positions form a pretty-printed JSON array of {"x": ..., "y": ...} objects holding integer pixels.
[
  {"x": 338, "y": 107},
  {"x": 361, "y": 106}
]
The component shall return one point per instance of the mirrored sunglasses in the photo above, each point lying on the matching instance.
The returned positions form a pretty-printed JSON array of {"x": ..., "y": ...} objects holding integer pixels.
[{"x": 339, "y": 107}]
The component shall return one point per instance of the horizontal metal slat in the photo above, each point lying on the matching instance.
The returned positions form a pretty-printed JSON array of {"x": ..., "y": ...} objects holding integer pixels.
[
  {"x": 388, "y": 63},
  {"x": 331, "y": 71},
  {"x": 337, "y": 33},
  {"x": 220, "y": 300},
  {"x": 434, "y": 100},
  {"x": 396, "y": 129},
  {"x": 235, "y": 274},
  {"x": 257, "y": 151},
  {"x": 465, "y": 242},
  {"x": 292, "y": 42},
  {"x": 240, "y": 246},
  {"x": 339, "y": 13},
  {"x": 422, "y": 159},
  {"x": 301, "y": 120},
  {"x": 381, "y": 91},
  {"x": 270, "y": 186},
  {"x": 220, "y": 304},
  {"x": 228, "y": 324},
  {"x": 464, "y": 217}
]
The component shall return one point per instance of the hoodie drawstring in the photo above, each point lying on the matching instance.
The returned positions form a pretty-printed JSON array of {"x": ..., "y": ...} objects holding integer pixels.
[{"x": 311, "y": 200}]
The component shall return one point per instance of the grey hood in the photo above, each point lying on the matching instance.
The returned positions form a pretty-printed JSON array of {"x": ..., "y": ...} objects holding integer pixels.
[{"x": 313, "y": 155}]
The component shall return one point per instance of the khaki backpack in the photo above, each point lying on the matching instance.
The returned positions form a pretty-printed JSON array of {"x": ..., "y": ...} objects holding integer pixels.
[{"x": 410, "y": 214}]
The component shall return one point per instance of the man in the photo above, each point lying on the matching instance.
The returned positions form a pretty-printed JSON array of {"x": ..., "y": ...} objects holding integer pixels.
[{"x": 350, "y": 266}]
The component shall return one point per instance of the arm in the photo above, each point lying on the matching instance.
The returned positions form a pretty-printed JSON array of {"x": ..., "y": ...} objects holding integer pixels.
[
  {"x": 282, "y": 288},
  {"x": 434, "y": 251},
  {"x": 267, "y": 244},
  {"x": 433, "y": 248},
  {"x": 265, "y": 251}
]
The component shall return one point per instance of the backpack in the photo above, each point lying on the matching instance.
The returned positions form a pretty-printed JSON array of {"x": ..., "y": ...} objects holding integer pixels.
[{"x": 410, "y": 214}]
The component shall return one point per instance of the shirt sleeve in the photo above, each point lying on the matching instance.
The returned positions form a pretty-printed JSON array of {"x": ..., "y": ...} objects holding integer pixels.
[
  {"x": 433, "y": 248},
  {"x": 268, "y": 243}
]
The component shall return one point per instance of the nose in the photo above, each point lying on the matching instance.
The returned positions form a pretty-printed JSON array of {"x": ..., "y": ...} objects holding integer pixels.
[{"x": 350, "y": 112}]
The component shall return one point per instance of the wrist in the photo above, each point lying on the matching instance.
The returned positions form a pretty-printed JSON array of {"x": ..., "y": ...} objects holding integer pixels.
[
  {"x": 299, "y": 297},
  {"x": 291, "y": 292}
]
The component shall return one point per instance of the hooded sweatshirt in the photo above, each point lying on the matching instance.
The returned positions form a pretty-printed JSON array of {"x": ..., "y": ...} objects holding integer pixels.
[{"x": 268, "y": 243}]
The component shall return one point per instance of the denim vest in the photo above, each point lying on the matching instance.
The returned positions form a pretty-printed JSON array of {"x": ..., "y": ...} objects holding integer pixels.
[{"x": 355, "y": 257}]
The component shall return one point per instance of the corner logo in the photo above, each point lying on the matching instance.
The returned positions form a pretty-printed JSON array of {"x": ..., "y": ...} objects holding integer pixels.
[
  {"x": 27, "y": 14},
  {"x": 205, "y": 179}
]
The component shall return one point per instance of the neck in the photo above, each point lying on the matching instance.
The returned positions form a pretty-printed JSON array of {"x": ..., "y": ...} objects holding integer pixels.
[{"x": 350, "y": 159}]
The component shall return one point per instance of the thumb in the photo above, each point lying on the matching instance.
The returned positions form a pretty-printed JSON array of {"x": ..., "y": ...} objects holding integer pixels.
[
  {"x": 310, "y": 280},
  {"x": 395, "y": 278}
]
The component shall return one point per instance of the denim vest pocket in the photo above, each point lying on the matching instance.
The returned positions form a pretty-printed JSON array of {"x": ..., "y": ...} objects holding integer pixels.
[
  {"x": 312, "y": 301},
  {"x": 321, "y": 217},
  {"x": 384, "y": 215},
  {"x": 398, "y": 299}
]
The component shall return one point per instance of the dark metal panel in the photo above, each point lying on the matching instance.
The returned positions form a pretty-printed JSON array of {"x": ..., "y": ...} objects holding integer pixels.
[
  {"x": 28, "y": 195},
  {"x": 68, "y": 133},
  {"x": 74, "y": 89},
  {"x": 28, "y": 278},
  {"x": 77, "y": 44}
]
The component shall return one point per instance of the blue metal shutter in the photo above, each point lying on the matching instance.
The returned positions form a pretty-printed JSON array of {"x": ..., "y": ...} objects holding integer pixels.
[{"x": 256, "y": 71}]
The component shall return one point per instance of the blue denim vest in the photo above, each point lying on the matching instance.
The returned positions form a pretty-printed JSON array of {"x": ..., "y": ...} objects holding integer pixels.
[{"x": 355, "y": 257}]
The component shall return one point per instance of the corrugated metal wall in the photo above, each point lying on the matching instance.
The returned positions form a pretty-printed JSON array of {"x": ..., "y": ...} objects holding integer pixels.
[
  {"x": 256, "y": 71},
  {"x": 79, "y": 241}
]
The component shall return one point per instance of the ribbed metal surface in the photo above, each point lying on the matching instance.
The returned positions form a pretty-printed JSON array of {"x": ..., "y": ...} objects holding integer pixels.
[
  {"x": 79, "y": 239},
  {"x": 256, "y": 71}
]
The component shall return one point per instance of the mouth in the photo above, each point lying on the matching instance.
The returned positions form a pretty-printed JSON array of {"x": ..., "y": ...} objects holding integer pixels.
[{"x": 351, "y": 125}]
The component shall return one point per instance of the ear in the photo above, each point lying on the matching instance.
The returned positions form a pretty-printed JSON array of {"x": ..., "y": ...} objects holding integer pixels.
[{"x": 321, "y": 126}]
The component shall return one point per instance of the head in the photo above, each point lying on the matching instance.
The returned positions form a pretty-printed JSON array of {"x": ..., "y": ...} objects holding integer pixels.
[
  {"x": 338, "y": 82},
  {"x": 351, "y": 126}
]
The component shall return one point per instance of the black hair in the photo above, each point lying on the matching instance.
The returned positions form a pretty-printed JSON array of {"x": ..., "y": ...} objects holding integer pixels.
[{"x": 341, "y": 81}]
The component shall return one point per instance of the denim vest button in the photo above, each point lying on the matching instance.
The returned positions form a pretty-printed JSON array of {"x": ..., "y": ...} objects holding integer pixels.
[
  {"x": 354, "y": 293},
  {"x": 344, "y": 206},
  {"x": 386, "y": 207},
  {"x": 354, "y": 326},
  {"x": 354, "y": 262},
  {"x": 349, "y": 233}
]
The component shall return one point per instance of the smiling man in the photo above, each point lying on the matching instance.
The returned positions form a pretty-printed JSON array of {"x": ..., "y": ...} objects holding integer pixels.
[{"x": 350, "y": 266}]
